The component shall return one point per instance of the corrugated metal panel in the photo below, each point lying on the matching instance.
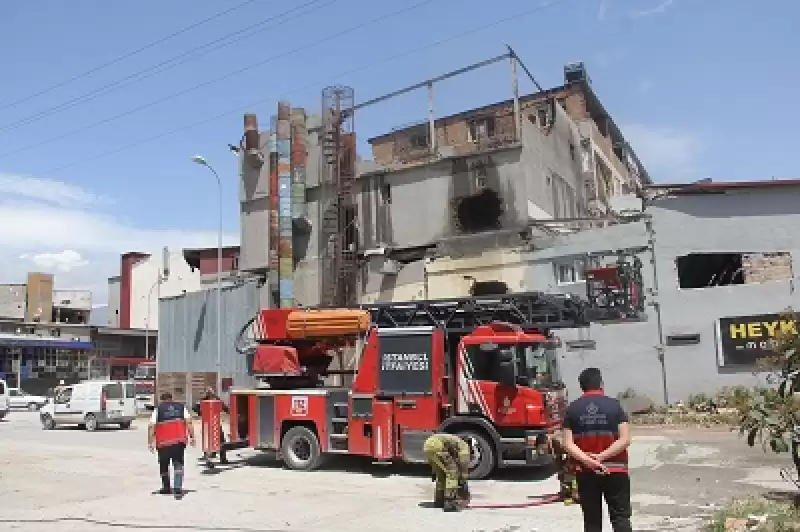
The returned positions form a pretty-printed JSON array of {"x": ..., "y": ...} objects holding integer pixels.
[{"x": 187, "y": 327}]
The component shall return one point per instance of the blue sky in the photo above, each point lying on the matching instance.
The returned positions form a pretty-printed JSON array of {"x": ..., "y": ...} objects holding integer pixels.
[{"x": 701, "y": 88}]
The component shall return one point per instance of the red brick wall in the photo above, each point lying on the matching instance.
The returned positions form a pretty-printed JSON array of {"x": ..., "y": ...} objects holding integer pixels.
[{"x": 208, "y": 260}]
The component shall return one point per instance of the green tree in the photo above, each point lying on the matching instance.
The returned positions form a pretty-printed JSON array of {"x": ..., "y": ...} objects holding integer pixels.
[{"x": 770, "y": 415}]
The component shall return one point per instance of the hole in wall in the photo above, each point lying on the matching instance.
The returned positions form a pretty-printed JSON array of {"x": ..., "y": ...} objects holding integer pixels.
[
  {"x": 479, "y": 212},
  {"x": 488, "y": 288}
]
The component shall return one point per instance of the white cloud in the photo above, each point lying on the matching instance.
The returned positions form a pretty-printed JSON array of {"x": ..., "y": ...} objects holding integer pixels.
[
  {"x": 63, "y": 261},
  {"x": 655, "y": 9},
  {"x": 48, "y": 225},
  {"x": 47, "y": 190},
  {"x": 669, "y": 154}
]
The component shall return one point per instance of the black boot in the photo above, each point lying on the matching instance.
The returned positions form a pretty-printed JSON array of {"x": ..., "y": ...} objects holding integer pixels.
[
  {"x": 451, "y": 505},
  {"x": 438, "y": 499},
  {"x": 166, "y": 489}
]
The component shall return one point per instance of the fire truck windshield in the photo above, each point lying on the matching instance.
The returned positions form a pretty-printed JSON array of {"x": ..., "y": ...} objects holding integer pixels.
[
  {"x": 534, "y": 364},
  {"x": 538, "y": 366}
]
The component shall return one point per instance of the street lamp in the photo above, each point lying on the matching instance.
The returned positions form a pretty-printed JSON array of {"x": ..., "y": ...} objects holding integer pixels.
[
  {"x": 157, "y": 284},
  {"x": 201, "y": 161}
]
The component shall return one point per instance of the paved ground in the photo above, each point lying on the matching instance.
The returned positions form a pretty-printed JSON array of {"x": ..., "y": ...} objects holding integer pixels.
[{"x": 104, "y": 481}]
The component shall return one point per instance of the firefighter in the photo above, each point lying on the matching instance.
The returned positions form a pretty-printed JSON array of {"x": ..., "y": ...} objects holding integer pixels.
[
  {"x": 210, "y": 395},
  {"x": 596, "y": 436},
  {"x": 568, "y": 486},
  {"x": 170, "y": 429},
  {"x": 449, "y": 457}
]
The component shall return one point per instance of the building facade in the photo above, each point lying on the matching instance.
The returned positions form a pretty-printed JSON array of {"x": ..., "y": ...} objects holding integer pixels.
[
  {"x": 474, "y": 186},
  {"x": 44, "y": 333},
  {"x": 717, "y": 267},
  {"x": 133, "y": 295}
]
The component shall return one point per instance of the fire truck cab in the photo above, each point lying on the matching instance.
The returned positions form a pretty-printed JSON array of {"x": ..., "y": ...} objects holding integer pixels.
[{"x": 484, "y": 368}]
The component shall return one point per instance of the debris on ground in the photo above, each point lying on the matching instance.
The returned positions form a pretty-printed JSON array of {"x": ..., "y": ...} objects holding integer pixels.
[{"x": 756, "y": 514}]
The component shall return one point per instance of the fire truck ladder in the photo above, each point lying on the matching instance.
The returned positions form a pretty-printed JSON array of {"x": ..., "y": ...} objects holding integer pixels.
[{"x": 528, "y": 310}]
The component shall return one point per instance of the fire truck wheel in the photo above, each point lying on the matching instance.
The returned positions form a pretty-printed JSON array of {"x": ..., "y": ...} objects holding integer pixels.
[
  {"x": 482, "y": 459},
  {"x": 300, "y": 449}
]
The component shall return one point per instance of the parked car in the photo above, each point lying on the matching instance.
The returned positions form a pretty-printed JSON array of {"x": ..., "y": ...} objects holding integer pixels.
[
  {"x": 18, "y": 398},
  {"x": 3, "y": 399},
  {"x": 91, "y": 404}
]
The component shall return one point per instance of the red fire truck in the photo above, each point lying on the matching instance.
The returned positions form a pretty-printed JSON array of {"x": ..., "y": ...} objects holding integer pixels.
[{"x": 484, "y": 368}]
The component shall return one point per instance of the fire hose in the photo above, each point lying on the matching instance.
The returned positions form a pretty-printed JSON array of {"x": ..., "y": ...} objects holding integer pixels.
[{"x": 537, "y": 501}]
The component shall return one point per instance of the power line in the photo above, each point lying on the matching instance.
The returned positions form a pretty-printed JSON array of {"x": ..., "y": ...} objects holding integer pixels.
[
  {"x": 251, "y": 105},
  {"x": 127, "y": 55},
  {"x": 263, "y": 62},
  {"x": 163, "y": 66}
]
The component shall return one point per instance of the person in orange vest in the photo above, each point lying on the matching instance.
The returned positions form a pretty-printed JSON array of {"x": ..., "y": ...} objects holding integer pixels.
[
  {"x": 597, "y": 437},
  {"x": 169, "y": 430}
]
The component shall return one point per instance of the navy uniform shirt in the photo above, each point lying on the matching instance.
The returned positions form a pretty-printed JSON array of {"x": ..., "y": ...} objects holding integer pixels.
[{"x": 594, "y": 420}]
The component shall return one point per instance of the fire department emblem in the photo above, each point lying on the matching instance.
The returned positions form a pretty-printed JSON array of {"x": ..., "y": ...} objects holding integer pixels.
[{"x": 506, "y": 408}]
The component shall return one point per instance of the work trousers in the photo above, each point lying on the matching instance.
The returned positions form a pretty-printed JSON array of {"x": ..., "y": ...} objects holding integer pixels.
[
  {"x": 170, "y": 454},
  {"x": 566, "y": 477},
  {"x": 451, "y": 469},
  {"x": 615, "y": 488}
]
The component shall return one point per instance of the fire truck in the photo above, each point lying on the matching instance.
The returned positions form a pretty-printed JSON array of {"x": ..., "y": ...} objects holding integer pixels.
[{"x": 484, "y": 368}]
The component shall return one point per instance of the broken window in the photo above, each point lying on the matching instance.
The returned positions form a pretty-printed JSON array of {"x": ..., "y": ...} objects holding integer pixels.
[
  {"x": 488, "y": 288},
  {"x": 419, "y": 139},
  {"x": 479, "y": 212},
  {"x": 701, "y": 270},
  {"x": 481, "y": 129}
]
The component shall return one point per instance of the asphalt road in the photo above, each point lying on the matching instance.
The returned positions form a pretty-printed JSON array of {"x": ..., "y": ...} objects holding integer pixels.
[{"x": 73, "y": 480}]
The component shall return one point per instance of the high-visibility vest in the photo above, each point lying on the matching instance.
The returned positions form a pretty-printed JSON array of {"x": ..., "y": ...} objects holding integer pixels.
[{"x": 170, "y": 424}]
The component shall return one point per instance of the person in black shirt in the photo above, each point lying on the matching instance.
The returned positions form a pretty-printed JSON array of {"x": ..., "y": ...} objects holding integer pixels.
[{"x": 597, "y": 437}]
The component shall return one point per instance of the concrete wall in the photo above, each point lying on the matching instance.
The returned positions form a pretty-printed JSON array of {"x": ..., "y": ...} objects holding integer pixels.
[
  {"x": 761, "y": 220},
  {"x": 758, "y": 220},
  {"x": 12, "y": 301},
  {"x": 412, "y": 206},
  {"x": 73, "y": 299},
  {"x": 143, "y": 280},
  {"x": 113, "y": 301},
  {"x": 625, "y": 352},
  {"x": 254, "y": 211}
]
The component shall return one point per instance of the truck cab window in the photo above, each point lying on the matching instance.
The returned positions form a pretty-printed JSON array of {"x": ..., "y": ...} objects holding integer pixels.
[
  {"x": 539, "y": 365},
  {"x": 485, "y": 364}
]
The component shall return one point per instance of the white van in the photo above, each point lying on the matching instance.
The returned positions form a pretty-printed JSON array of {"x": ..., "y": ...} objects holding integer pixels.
[
  {"x": 4, "y": 406},
  {"x": 91, "y": 404}
]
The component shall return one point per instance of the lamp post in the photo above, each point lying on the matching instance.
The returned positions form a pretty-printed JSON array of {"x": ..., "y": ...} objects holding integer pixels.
[
  {"x": 157, "y": 284},
  {"x": 201, "y": 161}
]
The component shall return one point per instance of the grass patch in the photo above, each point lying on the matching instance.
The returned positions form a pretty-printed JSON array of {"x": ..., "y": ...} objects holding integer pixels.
[{"x": 781, "y": 516}]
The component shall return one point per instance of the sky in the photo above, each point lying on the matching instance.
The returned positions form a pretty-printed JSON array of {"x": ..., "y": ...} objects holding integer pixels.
[{"x": 103, "y": 104}]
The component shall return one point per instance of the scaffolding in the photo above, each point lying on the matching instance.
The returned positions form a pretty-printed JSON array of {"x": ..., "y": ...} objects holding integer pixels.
[{"x": 338, "y": 252}]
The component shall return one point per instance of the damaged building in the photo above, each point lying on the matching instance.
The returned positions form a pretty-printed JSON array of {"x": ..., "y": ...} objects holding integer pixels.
[
  {"x": 716, "y": 264},
  {"x": 444, "y": 208},
  {"x": 538, "y": 192}
]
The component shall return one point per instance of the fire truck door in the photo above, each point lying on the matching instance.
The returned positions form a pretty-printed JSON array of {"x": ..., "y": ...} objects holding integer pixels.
[{"x": 383, "y": 430}]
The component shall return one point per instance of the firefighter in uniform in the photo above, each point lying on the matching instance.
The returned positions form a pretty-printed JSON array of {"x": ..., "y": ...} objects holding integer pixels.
[
  {"x": 449, "y": 457},
  {"x": 568, "y": 485},
  {"x": 170, "y": 429}
]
